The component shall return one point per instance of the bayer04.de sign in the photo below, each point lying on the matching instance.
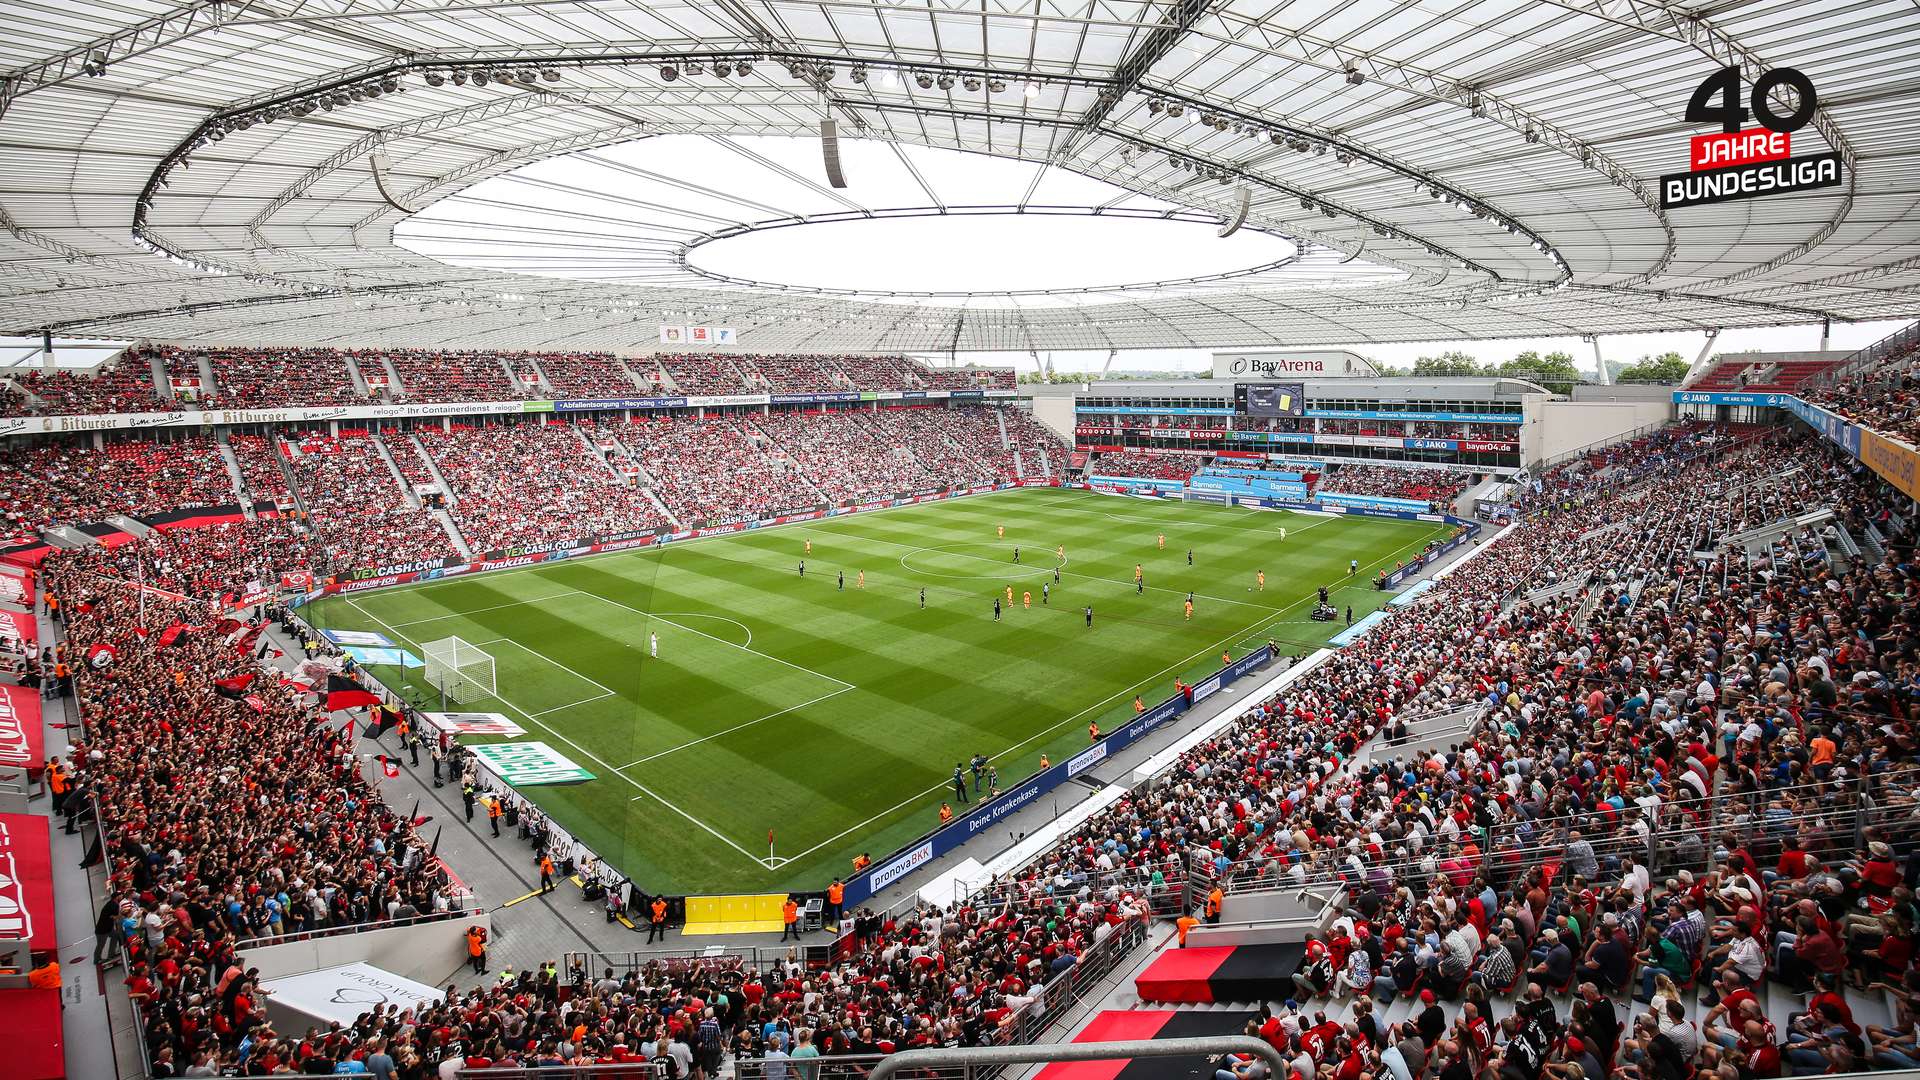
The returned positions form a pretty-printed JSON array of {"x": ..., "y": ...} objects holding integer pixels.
[
  {"x": 529, "y": 764},
  {"x": 1737, "y": 163}
]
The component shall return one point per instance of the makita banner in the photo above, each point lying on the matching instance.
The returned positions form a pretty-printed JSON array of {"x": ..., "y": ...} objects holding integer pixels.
[{"x": 987, "y": 815}]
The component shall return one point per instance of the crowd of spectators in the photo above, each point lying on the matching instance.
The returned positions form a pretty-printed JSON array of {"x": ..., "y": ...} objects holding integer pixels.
[
  {"x": 1432, "y": 485},
  {"x": 790, "y": 373},
  {"x": 525, "y": 484},
  {"x": 703, "y": 374},
  {"x": 842, "y": 458},
  {"x": 1146, "y": 465},
  {"x": 124, "y": 386},
  {"x": 718, "y": 470},
  {"x": 582, "y": 375},
  {"x": 72, "y": 481},
  {"x": 224, "y": 817},
  {"x": 361, "y": 516},
  {"x": 259, "y": 458},
  {"x": 938, "y": 439},
  {"x": 452, "y": 376},
  {"x": 226, "y": 560}
]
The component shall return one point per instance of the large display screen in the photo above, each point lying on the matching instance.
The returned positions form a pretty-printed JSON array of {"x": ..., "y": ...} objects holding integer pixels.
[{"x": 1269, "y": 398}]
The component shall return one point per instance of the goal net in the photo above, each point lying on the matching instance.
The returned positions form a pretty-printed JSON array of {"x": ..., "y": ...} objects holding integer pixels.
[{"x": 459, "y": 670}]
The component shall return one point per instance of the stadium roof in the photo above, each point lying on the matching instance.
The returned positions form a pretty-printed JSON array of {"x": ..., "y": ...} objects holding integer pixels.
[{"x": 236, "y": 170}]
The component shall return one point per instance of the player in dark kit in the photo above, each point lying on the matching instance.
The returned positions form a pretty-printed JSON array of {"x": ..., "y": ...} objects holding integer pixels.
[
  {"x": 1016, "y": 554},
  {"x": 996, "y": 609},
  {"x": 1089, "y": 616}
]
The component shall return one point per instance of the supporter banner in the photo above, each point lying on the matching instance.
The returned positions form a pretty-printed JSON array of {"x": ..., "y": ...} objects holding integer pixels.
[
  {"x": 529, "y": 764},
  {"x": 365, "y": 656},
  {"x": 247, "y": 600},
  {"x": 1414, "y": 414},
  {"x": 108, "y": 536},
  {"x": 193, "y": 517},
  {"x": 29, "y": 553},
  {"x": 1896, "y": 462},
  {"x": 987, "y": 815},
  {"x": 297, "y": 580},
  {"x": 26, "y": 881},
  {"x": 358, "y": 637},
  {"x": 22, "y": 745},
  {"x": 16, "y": 588},
  {"x": 473, "y": 723}
]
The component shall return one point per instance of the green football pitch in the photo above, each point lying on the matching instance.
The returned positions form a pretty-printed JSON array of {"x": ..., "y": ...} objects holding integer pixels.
[{"x": 833, "y": 714}]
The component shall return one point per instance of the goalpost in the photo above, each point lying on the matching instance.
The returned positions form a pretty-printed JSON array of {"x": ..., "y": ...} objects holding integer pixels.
[{"x": 460, "y": 671}]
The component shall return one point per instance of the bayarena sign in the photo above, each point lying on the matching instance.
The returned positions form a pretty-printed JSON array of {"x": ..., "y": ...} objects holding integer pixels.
[{"x": 1292, "y": 365}]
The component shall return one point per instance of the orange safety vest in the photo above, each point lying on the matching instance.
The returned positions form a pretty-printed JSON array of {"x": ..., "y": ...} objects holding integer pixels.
[
  {"x": 476, "y": 945},
  {"x": 834, "y": 892},
  {"x": 790, "y": 911},
  {"x": 57, "y": 779},
  {"x": 493, "y": 808},
  {"x": 1214, "y": 900},
  {"x": 660, "y": 911},
  {"x": 946, "y": 813},
  {"x": 1185, "y": 923},
  {"x": 546, "y": 865},
  {"x": 861, "y": 862},
  {"x": 1138, "y": 705}
]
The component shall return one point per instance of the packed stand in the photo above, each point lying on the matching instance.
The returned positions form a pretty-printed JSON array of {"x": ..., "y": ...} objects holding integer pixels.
[
  {"x": 1147, "y": 466},
  {"x": 452, "y": 376},
  {"x": 259, "y": 458},
  {"x": 71, "y": 483},
  {"x": 526, "y": 484},
  {"x": 785, "y": 373},
  {"x": 717, "y": 470},
  {"x": 125, "y": 386},
  {"x": 928, "y": 434},
  {"x": 226, "y": 814},
  {"x": 835, "y": 452},
  {"x": 586, "y": 375},
  {"x": 967, "y": 378},
  {"x": 1715, "y": 723},
  {"x": 882, "y": 372},
  {"x": 1431, "y": 485},
  {"x": 361, "y": 516},
  {"x": 973, "y": 433},
  {"x": 702, "y": 375},
  {"x": 1043, "y": 454},
  {"x": 225, "y": 561},
  {"x": 407, "y": 457}
]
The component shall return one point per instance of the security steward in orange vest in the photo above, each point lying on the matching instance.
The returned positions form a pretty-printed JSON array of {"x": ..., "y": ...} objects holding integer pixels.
[
  {"x": 494, "y": 813},
  {"x": 477, "y": 949},
  {"x": 1215, "y": 901},
  {"x": 657, "y": 922},
  {"x": 57, "y": 783},
  {"x": 546, "y": 873},
  {"x": 836, "y": 893},
  {"x": 790, "y": 915}
]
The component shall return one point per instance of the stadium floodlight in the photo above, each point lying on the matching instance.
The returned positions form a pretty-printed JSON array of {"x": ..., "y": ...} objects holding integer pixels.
[
  {"x": 1031, "y": 90},
  {"x": 480, "y": 78},
  {"x": 549, "y": 75},
  {"x": 458, "y": 670},
  {"x": 668, "y": 72},
  {"x": 996, "y": 86},
  {"x": 743, "y": 69},
  {"x": 459, "y": 78},
  {"x": 923, "y": 80},
  {"x": 972, "y": 84},
  {"x": 1355, "y": 77},
  {"x": 944, "y": 82},
  {"x": 434, "y": 78},
  {"x": 857, "y": 73}
]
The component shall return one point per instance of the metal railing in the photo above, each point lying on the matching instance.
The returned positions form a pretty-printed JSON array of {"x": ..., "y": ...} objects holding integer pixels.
[
  {"x": 346, "y": 929},
  {"x": 1050, "y": 1001},
  {"x": 1902, "y": 342}
]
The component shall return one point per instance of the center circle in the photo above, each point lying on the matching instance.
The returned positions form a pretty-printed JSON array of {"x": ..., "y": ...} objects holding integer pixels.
[
  {"x": 957, "y": 561},
  {"x": 1004, "y": 252}
]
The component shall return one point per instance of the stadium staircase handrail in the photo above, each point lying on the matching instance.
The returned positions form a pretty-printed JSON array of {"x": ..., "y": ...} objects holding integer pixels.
[{"x": 1902, "y": 341}]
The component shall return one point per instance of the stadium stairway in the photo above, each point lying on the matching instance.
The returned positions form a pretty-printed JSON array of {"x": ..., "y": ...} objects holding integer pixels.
[
  {"x": 393, "y": 467},
  {"x": 234, "y": 476},
  {"x": 454, "y": 535}
]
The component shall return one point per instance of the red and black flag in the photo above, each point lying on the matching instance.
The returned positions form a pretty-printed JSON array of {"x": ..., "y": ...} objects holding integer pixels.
[
  {"x": 236, "y": 687},
  {"x": 344, "y": 693},
  {"x": 384, "y": 717},
  {"x": 171, "y": 635},
  {"x": 388, "y": 766},
  {"x": 100, "y": 656}
]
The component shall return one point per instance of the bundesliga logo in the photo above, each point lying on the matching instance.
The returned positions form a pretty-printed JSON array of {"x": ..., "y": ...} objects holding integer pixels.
[{"x": 1741, "y": 163}]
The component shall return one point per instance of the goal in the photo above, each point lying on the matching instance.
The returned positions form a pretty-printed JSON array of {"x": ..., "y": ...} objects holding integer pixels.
[{"x": 459, "y": 670}]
